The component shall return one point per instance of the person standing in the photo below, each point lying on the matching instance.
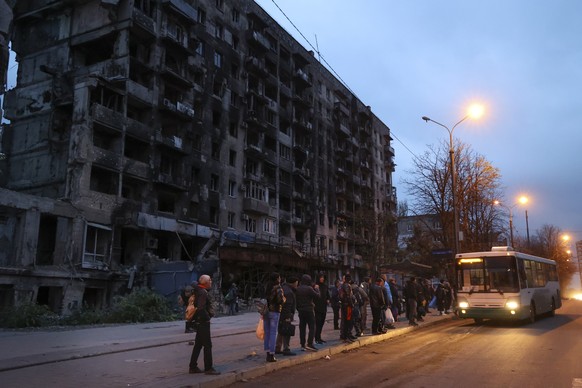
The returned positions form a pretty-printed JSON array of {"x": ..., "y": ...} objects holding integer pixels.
[
  {"x": 287, "y": 314},
  {"x": 377, "y": 302},
  {"x": 204, "y": 312},
  {"x": 321, "y": 308},
  {"x": 366, "y": 287},
  {"x": 335, "y": 304},
  {"x": 275, "y": 300},
  {"x": 411, "y": 295},
  {"x": 346, "y": 297},
  {"x": 306, "y": 296},
  {"x": 231, "y": 299},
  {"x": 395, "y": 299}
]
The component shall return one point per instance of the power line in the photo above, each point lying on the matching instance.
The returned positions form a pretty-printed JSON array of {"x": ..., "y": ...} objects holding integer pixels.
[{"x": 316, "y": 49}]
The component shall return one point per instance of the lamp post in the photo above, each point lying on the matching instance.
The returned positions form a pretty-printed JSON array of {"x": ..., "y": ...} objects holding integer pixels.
[
  {"x": 475, "y": 111},
  {"x": 523, "y": 200},
  {"x": 510, "y": 208}
]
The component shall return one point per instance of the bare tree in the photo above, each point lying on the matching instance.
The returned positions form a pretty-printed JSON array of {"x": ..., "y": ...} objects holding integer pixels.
[{"x": 478, "y": 186}]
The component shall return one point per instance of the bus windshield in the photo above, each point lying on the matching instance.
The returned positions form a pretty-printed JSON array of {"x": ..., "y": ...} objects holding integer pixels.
[{"x": 487, "y": 274}]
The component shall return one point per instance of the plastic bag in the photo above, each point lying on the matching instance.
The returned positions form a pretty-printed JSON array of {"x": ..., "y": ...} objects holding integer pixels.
[
  {"x": 389, "y": 316},
  {"x": 260, "y": 329}
]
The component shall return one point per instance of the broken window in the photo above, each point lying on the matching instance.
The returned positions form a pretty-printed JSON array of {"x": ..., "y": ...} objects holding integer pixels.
[
  {"x": 166, "y": 202},
  {"x": 103, "y": 181},
  {"x": 96, "y": 246}
]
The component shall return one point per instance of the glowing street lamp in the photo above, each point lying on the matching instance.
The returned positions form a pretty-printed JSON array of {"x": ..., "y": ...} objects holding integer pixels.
[
  {"x": 522, "y": 200},
  {"x": 475, "y": 111}
]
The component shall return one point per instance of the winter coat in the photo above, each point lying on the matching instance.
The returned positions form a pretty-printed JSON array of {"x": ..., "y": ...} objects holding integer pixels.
[
  {"x": 306, "y": 295},
  {"x": 376, "y": 296},
  {"x": 288, "y": 310}
]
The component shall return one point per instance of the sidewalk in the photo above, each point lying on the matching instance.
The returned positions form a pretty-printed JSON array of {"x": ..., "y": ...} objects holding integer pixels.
[{"x": 238, "y": 354}]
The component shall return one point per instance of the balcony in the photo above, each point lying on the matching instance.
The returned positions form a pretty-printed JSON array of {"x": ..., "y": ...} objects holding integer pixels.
[
  {"x": 259, "y": 40},
  {"x": 106, "y": 158},
  {"x": 140, "y": 92},
  {"x": 342, "y": 108},
  {"x": 137, "y": 129},
  {"x": 107, "y": 116},
  {"x": 143, "y": 21},
  {"x": 182, "y": 8},
  {"x": 174, "y": 142},
  {"x": 136, "y": 168},
  {"x": 302, "y": 78},
  {"x": 252, "y": 205},
  {"x": 254, "y": 64}
]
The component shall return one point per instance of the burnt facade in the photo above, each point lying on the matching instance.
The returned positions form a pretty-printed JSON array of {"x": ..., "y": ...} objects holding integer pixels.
[{"x": 152, "y": 140}]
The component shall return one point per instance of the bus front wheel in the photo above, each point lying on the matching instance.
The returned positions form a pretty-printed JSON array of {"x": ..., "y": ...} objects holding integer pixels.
[
  {"x": 532, "y": 312},
  {"x": 553, "y": 310}
]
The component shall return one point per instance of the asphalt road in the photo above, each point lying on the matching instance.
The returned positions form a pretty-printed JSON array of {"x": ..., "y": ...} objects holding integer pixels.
[{"x": 457, "y": 353}]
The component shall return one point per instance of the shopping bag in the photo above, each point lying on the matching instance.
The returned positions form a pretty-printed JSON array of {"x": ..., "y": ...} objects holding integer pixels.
[
  {"x": 389, "y": 316},
  {"x": 260, "y": 329}
]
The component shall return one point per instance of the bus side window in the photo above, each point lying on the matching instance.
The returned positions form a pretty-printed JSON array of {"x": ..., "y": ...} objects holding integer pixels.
[{"x": 521, "y": 272}]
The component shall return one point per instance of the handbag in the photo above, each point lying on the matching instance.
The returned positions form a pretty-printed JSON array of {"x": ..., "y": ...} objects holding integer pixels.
[{"x": 287, "y": 329}]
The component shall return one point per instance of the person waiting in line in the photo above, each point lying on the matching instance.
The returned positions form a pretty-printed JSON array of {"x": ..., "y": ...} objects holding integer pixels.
[
  {"x": 287, "y": 315},
  {"x": 306, "y": 295},
  {"x": 411, "y": 296},
  {"x": 204, "y": 312},
  {"x": 335, "y": 304},
  {"x": 395, "y": 307},
  {"x": 321, "y": 308},
  {"x": 366, "y": 287},
  {"x": 346, "y": 297},
  {"x": 377, "y": 302},
  {"x": 360, "y": 299},
  {"x": 275, "y": 300}
]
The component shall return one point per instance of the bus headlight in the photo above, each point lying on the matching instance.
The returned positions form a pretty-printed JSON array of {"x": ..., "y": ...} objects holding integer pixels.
[
  {"x": 463, "y": 304},
  {"x": 512, "y": 304}
]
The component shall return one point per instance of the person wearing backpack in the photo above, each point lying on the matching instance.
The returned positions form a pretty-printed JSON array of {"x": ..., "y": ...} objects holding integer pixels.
[{"x": 204, "y": 312}]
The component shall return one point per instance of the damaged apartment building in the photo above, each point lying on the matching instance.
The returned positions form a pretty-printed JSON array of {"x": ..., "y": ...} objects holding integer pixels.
[{"x": 150, "y": 141}]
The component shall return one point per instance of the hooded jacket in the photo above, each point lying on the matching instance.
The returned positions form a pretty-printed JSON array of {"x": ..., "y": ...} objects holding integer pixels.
[{"x": 306, "y": 295}]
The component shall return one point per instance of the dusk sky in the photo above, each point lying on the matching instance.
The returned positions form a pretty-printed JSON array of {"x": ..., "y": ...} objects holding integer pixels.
[{"x": 522, "y": 59}]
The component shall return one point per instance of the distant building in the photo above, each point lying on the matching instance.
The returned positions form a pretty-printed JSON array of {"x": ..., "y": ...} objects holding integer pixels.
[
  {"x": 428, "y": 225},
  {"x": 153, "y": 140}
]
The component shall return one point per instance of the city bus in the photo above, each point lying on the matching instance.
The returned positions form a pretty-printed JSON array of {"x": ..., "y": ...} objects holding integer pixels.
[{"x": 503, "y": 284}]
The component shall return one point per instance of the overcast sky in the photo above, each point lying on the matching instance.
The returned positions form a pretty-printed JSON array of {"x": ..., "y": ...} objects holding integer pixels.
[{"x": 521, "y": 58}]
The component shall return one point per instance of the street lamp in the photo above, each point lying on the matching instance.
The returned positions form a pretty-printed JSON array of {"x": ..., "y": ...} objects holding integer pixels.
[
  {"x": 475, "y": 111},
  {"x": 523, "y": 200}
]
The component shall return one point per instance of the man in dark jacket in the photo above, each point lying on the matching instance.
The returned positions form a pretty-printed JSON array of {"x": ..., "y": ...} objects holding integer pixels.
[
  {"x": 321, "y": 308},
  {"x": 204, "y": 312},
  {"x": 306, "y": 295},
  {"x": 335, "y": 304},
  {"x": 411, "y": 295},
  {"x": 377, "y": 302},
  {"x": 287, "y": 314},
  {"x": 346, "y": 297}
]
